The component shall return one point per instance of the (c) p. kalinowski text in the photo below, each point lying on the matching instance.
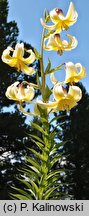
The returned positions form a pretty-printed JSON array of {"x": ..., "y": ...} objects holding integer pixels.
[{"x": 49, "y": 207}]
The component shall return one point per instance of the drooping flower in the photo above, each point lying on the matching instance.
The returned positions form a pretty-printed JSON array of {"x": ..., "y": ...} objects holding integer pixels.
[
  {"x": 18, "y": 60},
  {"x": 20, "y": 93},
  {"x": 74, "y": 72},
  {"x": 60, "y": 21},
  {"x": 55, "y": 43},
  {"x": 64, "y": 100}
]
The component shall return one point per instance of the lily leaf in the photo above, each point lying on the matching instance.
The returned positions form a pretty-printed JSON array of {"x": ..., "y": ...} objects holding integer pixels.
[
  {"x": 56, "y": 118},
  {"x": 48, "y": 67},
  {"x": 56, "y": 68},
  {"x": 34, "y": 186},
  {"x": 22, "y": 193},
  {"x": 37, "y": 54},
  {"x": 53, "y": 173},
  {"x": 19, "y": 196},
  {"x": 34, "y": 163},
  {"x": 49, "y": 192},
  {"x": 39, "y": 128},
  {"x": 46, "y": 16},
  {"x": 38, "y": 144},
  {"x": 37, "y": 138},
  {"x": 40, "y": 156},
  {"x": 47, "y": 93}
]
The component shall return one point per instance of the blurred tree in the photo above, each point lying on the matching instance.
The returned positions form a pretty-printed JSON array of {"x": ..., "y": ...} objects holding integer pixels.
[
  {"x": 13, "y": 128},
  {"x": 76, "y": 130},
  {"x": 8, "y": 37},
  {"x": 12, "y": 149}
]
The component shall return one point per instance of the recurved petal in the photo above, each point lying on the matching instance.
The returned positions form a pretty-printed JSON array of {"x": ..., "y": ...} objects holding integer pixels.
[
  {"x": 50, "y": 44},
  {"x": 72, "y": 42},
  {"x": 71, "y": 72},
  {"x": 59, "y": 92},
  {"x": 53, "y": 79},
  {"x": 52, "y": 27},
  {"x": 20, "y": 94},
  {"x": 19, "y": 51},
  {"x": 27, "y": 70},
  {"x": 6, "y": 55},
  {"x": 29, "y": 93},
  {"x": 82, "y": 71},
  {"x": 74, "y": 72},
  {"x": 72, "y": 15},
  {"x": 31, "y": 58},
  {"x": 10, "y": 61},
  {"x": 75, "y": 93},
  {"x": 11, "y": 91}
]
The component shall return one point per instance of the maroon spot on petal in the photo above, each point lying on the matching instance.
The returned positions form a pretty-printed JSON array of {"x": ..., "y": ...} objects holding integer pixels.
[
  {"x": 64, "y": 90},
  {"x": 56, "y": 36},
  {"x": 58, "y": 11},
  {"x": 20, "y": 85}
]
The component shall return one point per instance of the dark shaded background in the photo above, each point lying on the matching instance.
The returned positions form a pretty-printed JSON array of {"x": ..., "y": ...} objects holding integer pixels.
[{"x": 13, "y": 127}]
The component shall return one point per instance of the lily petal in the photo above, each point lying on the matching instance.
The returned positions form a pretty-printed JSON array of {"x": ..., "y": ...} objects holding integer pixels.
[
  {"x": 75, "y": 92},
  {"x": 63, "y": 100},
  {"x": 17, "y": 60},
  {"x": 82, "y": 73},
  {"x": 56, "y": 15},
  {"x": 51, "y": 44},
  {"x": 53, "y": 78},
  {"x": 59, "y": 92},
  {"x": 6, "y": 54},
  {"x": 72, "y": 42},
  {"x": 10, "y": 93},
  {"x": 71, "y": 16},
  {"x": 29, "y": 92},
  {"x": 31, "y": 58},
  {"x": 20, "y": 93},
  {"x": 19, "y": 51},
  {"x": 72, "y": 72},
  {"x": 27, "y": 70},
  {"x": 60, "y": 21},
  {"x": 6, "y": 58},
  {"x": 55, "y": 43},
  {"x": 52, "y": 27}
]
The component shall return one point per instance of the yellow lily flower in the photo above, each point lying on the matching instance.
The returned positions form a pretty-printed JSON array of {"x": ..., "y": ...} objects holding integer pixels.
[
  {"x": 60, "y": 21},
  {"x": 17, "y": 60},
  {"x": 20, "y": 93},
  {"x": 64, "y": 100},
  {"x": 56, "y": 44},
  {"x": 74, "y": 72}
]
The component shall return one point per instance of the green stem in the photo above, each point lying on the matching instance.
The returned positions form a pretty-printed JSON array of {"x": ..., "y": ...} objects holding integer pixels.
[
  {"x": 45, "y": 164},
  {"x": 42, "y": 65},
  {"x": 46, "y": 151}
]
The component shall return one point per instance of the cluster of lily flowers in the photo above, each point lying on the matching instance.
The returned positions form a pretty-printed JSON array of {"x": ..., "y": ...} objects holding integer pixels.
[{"x": 63, "y": 98}]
